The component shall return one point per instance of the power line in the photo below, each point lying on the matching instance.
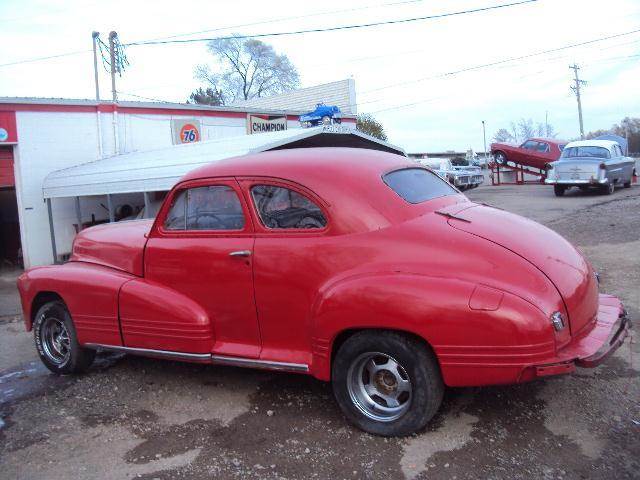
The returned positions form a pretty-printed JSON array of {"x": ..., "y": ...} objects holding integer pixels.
[
  {"x": 499, "y": 62},
  {"x": 39, "y": 59},
  {"x": 284, "y": 19},
  {"x": 333, "y": 29}
]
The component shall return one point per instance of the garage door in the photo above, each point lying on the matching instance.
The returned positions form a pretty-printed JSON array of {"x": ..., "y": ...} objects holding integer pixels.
[{"x": 6, "y": 167}]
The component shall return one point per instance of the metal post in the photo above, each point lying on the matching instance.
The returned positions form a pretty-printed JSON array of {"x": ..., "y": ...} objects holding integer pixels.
[
  {"x": 78, "y": 214},
  {"x": 95, "y": 35},
  {"x": 52, "y": 232},
  {"x": 147, "y": 204},
  {"x": 484, "y": 136},
  {"x": 110, "y": 207},
  {"x": 114, "y": 93},
  {"x": 576, "y": 89}
]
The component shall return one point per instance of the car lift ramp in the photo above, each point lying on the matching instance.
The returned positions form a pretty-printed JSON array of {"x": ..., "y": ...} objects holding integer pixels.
[{"x": 514, "y": 174}]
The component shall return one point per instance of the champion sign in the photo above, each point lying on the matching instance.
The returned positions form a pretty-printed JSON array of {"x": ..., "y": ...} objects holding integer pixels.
[{"x": 266, "y": 123}]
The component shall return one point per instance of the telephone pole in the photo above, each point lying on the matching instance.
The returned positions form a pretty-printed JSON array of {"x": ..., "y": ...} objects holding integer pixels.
[
  {"x": 576, "y": 89},
  {"x": 94, "y": 37},
  {"x": 112, "y": 58}
]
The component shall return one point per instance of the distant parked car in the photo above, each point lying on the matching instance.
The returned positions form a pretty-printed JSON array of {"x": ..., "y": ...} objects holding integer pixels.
[
  {"x": 323, "y": 114},
  {"x": 535, "y": 152},
  {"x": 462, "y": 178},
  {"x": 591, "y": 164}
]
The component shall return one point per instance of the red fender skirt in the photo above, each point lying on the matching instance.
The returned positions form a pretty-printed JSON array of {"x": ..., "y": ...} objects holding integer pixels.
[{"x": 590, "y": 348}]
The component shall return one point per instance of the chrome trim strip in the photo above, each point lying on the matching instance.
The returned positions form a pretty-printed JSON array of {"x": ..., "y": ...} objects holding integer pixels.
[
  {"x": 255, "y": 363},
  {"x": 146, "y": 352},
  {"x": 205, "y": 357}
]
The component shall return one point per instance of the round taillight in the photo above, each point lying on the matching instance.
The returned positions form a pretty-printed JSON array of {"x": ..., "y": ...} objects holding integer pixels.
[{"x": 603, "y": 166}]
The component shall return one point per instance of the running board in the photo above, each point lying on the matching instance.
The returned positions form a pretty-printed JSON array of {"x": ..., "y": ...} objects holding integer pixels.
[{"x": 205, "y": 358}]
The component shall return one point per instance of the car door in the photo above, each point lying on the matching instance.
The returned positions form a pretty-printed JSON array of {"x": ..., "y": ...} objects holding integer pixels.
[
  {"x": 201, "y": 248},
  {"x": 543, "y": 155},
  {"x": 292, "y": 228},
  {"x": 526, "y": 151}
]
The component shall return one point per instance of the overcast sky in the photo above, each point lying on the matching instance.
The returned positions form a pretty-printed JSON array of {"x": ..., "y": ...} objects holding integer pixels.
[{"x": 421, "y": 114}]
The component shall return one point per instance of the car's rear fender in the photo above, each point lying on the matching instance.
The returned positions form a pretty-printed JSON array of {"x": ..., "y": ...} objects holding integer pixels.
[
  {"x": 89, "y": 291},
  {"x": 480, "y": 335}
]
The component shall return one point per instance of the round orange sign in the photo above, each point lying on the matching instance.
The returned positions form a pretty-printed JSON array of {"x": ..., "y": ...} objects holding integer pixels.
[{"x": 189, "y": 133}]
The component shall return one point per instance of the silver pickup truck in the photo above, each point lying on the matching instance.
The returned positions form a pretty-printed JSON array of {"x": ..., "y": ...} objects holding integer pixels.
[{"x": 591, "y": 164}]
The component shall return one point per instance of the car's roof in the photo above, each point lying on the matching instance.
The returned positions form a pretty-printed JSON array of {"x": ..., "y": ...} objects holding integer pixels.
[
  {"x": 348, "y": 178},
  {"x": 548, "y": 140},
  {"x": 592, "y": 143}
]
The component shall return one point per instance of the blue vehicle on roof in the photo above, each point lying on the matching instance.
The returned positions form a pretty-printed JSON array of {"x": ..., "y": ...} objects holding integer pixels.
[{"x": 323, "y": 114}]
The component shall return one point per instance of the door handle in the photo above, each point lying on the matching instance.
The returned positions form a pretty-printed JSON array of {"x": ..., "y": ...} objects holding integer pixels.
[{"x": 240, "y": 253}]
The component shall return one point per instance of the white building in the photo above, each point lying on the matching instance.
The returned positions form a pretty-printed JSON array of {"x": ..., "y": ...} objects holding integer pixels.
[{"x": 40, "y": 136}]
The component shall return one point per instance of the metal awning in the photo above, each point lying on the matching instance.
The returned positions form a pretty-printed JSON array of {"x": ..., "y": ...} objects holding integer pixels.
[{"x": 160, "y": 169}]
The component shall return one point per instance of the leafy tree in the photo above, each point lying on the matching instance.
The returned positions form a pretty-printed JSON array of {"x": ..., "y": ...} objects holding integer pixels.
[
  {"x": 248, "y": 68},
  {"x": 369, "y": 125},
  {"x": 210, "y": 96}
]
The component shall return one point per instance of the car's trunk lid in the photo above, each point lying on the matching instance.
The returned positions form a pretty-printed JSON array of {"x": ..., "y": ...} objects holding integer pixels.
[
  {"x": 577, "y": 169},
  {"x": 572, "y": 275}
]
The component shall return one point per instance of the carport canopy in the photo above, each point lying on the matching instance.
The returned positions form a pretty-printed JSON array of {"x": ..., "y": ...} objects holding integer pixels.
[{"x": 160, "y": 169}]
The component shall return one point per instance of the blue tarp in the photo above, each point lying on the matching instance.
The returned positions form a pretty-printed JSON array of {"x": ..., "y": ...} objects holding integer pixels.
[{"x": 616, "y": 138}]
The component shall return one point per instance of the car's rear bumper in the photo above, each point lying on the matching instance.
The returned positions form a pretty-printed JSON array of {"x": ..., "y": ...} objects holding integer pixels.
[
  {"x": 592, "y": 347},
  {"x": 594, "y": 182}
]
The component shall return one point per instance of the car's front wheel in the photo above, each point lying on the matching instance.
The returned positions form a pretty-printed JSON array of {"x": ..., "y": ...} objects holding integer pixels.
[
  {"x": 387, "y": 383},
  {"x": 501, "y": 158},
  {"x": 57, "y": 342}
]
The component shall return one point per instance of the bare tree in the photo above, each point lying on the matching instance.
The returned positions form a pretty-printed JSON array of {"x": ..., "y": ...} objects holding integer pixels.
[
  {"x": 248, "y": 68},
  {"x": 503, "y": 135},
  {"x": 524, "y": 129}
]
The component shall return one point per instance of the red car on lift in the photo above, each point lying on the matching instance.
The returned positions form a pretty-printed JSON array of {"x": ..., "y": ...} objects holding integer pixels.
[
  {"x": 535, "y": 152},
  {"x": 355, "y": 266}
]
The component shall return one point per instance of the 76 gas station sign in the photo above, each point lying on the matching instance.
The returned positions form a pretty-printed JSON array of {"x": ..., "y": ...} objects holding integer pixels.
[{"x": 186, "y": 130}]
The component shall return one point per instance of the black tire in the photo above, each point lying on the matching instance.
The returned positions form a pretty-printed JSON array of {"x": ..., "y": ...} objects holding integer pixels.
[
  {"x": 413, "y": 360},
  {"x": 609, "y": 188},
  {"x": 326, "y": 120},
  {"x": 64, "y": 356},
  {"x": 559, "y": 190},
  {"x": 501, "y": 158}
]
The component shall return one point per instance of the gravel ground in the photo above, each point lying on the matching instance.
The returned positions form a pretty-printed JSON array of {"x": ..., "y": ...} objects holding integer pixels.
[{"x": 139, "y": 418}]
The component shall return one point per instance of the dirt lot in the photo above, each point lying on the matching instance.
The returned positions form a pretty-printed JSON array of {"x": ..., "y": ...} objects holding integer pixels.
[{"x": 137, "y": 418}]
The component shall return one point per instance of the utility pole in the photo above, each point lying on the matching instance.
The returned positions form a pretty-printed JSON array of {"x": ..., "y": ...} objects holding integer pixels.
[
  {"x": 94, "y": 36},
  {"x": 576, "y": 89},
  {"x": 112, "y": 60}
]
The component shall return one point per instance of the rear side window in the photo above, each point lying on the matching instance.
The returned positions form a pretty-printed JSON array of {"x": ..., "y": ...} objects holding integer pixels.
[
  {"x": 280, "y": 207},
  {"x": 417, "y": 185},
  {"x": 215, "y": 207},
  {"x": 542, "y": 147}
]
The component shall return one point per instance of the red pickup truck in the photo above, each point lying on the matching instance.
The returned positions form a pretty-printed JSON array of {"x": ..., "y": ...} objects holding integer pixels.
[{"x": 535, "y": 152}]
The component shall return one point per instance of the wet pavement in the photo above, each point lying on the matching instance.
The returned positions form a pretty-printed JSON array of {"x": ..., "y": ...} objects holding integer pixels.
[{"x": 140, "y": 418}]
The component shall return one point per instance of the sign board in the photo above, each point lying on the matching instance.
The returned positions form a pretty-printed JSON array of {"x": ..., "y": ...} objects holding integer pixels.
[
  {"x": 266, "y": 123},
  {"x": 185, "y": 130},
  {"x": 8, "y": 130}
]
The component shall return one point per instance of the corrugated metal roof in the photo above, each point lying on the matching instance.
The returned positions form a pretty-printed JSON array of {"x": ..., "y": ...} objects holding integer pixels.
[
  {"x": 341, "y": 93},
  {"x": 158, "y": 170}
]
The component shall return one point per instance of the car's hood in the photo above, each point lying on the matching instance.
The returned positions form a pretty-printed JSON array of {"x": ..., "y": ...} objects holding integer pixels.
[
  {"x": 115, "y": 245},
  {"x": 554, "y": 256}
]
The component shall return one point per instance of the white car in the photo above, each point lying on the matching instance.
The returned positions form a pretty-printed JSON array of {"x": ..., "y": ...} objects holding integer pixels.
[
  {"x": 591, "y": 164},
  {"x": 462, "y": 178}
]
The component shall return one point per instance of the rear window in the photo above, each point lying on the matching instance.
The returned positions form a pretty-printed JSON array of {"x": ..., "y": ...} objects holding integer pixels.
[
  {"x": 586, "y": 151},
  {"x": 417, "y": 185}
]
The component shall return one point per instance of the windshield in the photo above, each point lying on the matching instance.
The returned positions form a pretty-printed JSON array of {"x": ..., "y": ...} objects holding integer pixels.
[
  {"x": 417, "y": 185},
  {"x": 586, "y": 151}
]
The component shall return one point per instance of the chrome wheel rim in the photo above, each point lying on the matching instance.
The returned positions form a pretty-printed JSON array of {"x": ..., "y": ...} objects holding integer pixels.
[
  {"x": 56, "y": 342},
  {"x": 379, "y": 386}
]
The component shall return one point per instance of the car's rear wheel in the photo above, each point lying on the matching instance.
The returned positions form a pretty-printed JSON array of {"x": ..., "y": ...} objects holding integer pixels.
[
  {"x": 326, "y": 120},
  {"x": 57, "y": 342},
  {"x": 559, "y": 190},
  {"x": 501, "y": 158},
  {"x": 387, "y": 383}
]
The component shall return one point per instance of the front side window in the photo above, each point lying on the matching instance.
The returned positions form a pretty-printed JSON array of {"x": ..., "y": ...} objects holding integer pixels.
[
  {"x": 215, "y": 207},
  {"x": 280, "y": 207},
  {"x": 417, "y": 185},
  {"x": 586, "y": 151}
]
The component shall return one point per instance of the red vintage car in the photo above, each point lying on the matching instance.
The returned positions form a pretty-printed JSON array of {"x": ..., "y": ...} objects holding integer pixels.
[
  {"x": 535, "y": 152},
  {"x": 355, "y": 266}
]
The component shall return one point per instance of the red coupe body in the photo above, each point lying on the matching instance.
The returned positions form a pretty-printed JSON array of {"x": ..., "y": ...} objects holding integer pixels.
[
  {"x": 234, "y": 281},
  {"x": 535, "y": 152}
]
